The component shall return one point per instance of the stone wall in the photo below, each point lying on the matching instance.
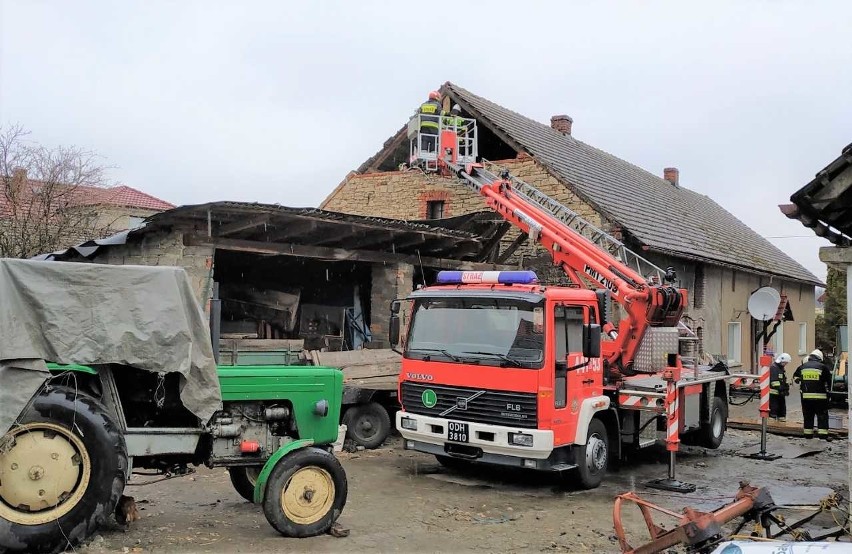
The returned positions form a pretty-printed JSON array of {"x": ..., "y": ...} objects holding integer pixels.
[
  {"x": 389, "y": 282},
  {"x": 167, "y": 249},
  {"x": 404, "y": 195}
]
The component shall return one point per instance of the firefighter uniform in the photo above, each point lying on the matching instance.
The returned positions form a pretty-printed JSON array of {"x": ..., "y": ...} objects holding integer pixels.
[
  {"x": 814, "y": 378},
  {"x": 430, "y": 119},
  {"x": 779, "y": 389}
]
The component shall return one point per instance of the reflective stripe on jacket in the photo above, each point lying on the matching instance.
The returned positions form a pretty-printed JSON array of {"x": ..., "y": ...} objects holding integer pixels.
[
  {"x": 430, "y": 113},
  {"x": 777, "y": 380},
  {"x": 814, "y": 378}
]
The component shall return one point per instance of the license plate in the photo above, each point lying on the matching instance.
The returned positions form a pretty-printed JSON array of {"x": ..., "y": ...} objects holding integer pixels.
[{"x": 457, "y": 432}]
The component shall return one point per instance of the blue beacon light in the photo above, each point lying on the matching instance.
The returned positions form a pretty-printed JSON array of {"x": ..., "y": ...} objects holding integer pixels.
[{"x": 487, "y": 277}]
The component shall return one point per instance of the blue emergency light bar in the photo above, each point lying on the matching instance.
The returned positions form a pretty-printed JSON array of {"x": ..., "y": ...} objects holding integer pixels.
[{"x": 487, "y": 277}]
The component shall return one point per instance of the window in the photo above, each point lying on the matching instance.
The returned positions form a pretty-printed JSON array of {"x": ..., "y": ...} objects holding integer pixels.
[
  {"x": 778, "y": 339},
  {"x": 698, "y": 289},
  {"x": 735, "y": 343},
  {"x": 803, "y": 338},
  {"x": 435, "y": 209},
  {"x": 502, "y": 332}
]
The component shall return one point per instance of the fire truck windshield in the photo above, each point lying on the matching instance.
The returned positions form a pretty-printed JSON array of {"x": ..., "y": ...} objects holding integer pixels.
[{"x": 502, "y": 332}]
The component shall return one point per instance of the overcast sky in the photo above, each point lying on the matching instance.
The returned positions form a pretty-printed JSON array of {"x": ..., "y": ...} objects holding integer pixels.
[{"x": 276, "y": 101}]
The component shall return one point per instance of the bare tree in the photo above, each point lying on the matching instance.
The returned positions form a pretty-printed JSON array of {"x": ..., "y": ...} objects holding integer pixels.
[{"x": 48, "y": 197}]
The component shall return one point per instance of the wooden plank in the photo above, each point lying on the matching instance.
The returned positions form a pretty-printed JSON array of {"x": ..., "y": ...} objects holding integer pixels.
[
  {"x": 784, "y": 429},
  {"x": 361, "y": 364},
  {"x": 262, "y": 345},
  {"x": 336, "y": 254},
  {"x": 242, "y": 225}
]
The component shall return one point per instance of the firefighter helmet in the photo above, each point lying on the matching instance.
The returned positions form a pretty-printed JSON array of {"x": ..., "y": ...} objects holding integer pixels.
[
  {"x": 434, "y": 95},
  {"x": 817, "y": 354},
  {"x": 783, "y": 359},
  {"x": 456, "y": 109}
]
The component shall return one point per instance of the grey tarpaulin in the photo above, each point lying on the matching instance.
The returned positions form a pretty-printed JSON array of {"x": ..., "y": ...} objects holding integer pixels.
[{"x": 145, "y": 317}]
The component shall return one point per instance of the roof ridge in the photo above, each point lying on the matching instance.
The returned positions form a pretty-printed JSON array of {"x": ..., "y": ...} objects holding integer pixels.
[{"x": 696, "y": 225}]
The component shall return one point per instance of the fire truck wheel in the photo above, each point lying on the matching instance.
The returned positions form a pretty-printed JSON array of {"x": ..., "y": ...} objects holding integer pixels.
[
  {"x": 713, "y": 431},
  {"x": 64, "y": 467},
  {"x": 367, "y": 424},
  {"x": 305, "y": 493},
  {"x": 592, "y": 457},
  {"x": 244, "y": 479}
]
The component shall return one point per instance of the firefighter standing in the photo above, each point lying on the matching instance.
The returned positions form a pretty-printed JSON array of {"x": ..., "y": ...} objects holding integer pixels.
[
  {"x": 814, "y": 378},
  {"x": 430, "y": 119},
  {"x": 779, "y": 389}
]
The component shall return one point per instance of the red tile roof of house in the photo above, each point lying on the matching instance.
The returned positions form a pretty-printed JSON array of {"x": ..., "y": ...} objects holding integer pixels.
[{"x": 119, "y": 196}]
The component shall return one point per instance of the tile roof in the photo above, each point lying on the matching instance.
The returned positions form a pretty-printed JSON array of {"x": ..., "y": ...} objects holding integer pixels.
[
  {"x": 119, "y": 196},
  {"x": 665, "y": 218},
  {"x": 825, "y": 204}
]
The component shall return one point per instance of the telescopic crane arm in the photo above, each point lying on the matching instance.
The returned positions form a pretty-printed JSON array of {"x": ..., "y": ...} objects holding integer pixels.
[{"x": 646, "y": 301}]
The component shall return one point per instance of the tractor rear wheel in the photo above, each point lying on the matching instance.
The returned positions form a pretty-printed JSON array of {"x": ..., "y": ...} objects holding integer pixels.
[{"x": 63, "y": 468}]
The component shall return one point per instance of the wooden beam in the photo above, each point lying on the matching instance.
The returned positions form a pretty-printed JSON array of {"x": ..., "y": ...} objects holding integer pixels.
[
  {"x": 512, "y": 248},
  {"x": 236, "y": 227},
  {"x": 332, "y": 254},
  {"x": 491, "y": 248}
]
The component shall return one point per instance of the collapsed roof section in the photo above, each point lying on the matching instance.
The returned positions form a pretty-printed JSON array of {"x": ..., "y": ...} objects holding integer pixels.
[{"x": 279, "y": 230}]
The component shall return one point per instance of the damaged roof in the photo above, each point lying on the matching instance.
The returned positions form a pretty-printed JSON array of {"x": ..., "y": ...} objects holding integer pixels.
[
  {"x": 253, "y": 223},
  {"x": 664, "y": 217},
  {"x": 825, "y": 204}
]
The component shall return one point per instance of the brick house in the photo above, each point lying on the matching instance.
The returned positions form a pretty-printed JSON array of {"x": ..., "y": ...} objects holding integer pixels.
[
  {"x": 43, "y": 215},
  {"x": 719, "y": 259}
]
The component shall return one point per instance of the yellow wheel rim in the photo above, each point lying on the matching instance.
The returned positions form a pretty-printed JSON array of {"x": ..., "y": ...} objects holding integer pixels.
[
  {"x": 308, "y": 495},
  {"x": 44, "y": 472}
]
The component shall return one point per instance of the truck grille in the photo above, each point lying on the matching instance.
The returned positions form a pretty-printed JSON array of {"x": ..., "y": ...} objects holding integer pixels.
[{"x": 513, "y": 409}]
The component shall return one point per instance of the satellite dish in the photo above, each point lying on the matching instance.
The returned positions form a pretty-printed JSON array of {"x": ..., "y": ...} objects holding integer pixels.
[{"x": 763, "y": 303}]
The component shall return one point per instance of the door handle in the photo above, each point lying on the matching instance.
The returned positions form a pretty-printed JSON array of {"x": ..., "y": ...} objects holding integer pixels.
[{"x": 588, "y": 381}]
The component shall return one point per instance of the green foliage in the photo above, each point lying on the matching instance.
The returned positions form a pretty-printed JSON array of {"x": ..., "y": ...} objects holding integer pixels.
[{"x": 835, "y": 311}]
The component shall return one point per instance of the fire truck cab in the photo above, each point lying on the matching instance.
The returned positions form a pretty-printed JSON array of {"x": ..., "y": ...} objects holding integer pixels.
[{"x": 501, "y": 370}]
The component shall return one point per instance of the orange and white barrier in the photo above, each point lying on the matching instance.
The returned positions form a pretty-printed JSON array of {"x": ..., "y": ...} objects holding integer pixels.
[
  {"x": 763, "y": 377},
  {"x": 672, "y": 420}
]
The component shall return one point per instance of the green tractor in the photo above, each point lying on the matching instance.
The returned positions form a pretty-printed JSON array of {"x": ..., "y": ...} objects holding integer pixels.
[{"x": 135, "y": 386}]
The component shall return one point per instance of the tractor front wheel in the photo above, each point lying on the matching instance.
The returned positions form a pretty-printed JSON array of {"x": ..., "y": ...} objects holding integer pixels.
[
  {"x": 305, "y": 493},
  {"x": 244, "y": 479}
]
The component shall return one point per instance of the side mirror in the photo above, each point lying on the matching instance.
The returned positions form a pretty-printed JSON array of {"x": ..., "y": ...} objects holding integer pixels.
[
  {"x": 393, "y": 332},
  {"x": 592, "y": 340}
]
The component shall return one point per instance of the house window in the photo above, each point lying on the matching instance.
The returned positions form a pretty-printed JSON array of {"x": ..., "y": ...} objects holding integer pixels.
[
  {"x": 435, "y": 209},
  {"x": 134, "y": 221},
  {"x": 778, "y": 339},
  {"x": 735, "y": 343},
  {"x": 803, "y": 338},
  {"x": 698, "y": 289}
]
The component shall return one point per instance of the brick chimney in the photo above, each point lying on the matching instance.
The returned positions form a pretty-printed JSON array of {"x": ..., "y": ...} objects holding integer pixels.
[
  {"x": 672, "y": 175},
  {"x": 562, "y": 123},
  {"x": 17, "y": 182}
]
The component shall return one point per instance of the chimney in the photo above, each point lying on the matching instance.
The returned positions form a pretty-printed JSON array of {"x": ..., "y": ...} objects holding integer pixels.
[
  {"x": 562, "y": 123},
  {"x": 18, "y": 180},
  {"x": 672, "y": 175}
]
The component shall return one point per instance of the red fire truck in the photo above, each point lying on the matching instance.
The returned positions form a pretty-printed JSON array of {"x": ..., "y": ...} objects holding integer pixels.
[{"x": 499, "y": 369}]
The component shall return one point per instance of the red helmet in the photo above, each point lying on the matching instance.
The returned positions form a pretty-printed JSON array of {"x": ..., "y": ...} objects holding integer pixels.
[{"x": 434, "y": 95}]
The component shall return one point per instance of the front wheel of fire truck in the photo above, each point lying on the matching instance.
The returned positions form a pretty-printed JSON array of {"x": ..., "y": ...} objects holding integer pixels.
[
  {"x": 305, "y": 493},
  {"x": 713, "y": 431},
  {"x": 593, "y": 456}
]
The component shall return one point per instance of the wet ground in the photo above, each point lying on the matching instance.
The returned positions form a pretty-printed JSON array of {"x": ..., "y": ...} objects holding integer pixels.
[{"x": 401, "y": 501}]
